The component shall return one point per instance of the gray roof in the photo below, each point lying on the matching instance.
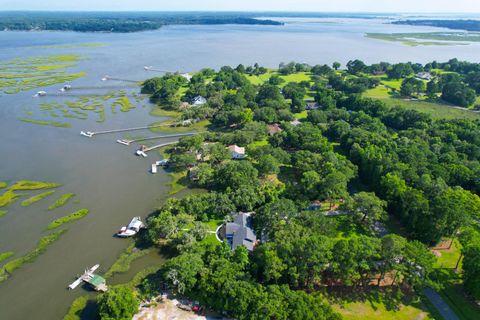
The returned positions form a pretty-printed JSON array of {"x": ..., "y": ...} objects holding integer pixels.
[{"x": 240, "y": 231}]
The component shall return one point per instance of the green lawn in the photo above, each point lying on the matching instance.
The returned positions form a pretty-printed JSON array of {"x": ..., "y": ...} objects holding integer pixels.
[
  {"x": 453, "y": 292},
  {"x": 435, "y": 110},
  {"x": 367, "y": 311},
  {"x": 257, "y": 144},
  {"x": 396, "y": 84},
  {"x": 377, "y": 305},
  {"x": 179, "y": 182},
  {"x": 379, "y": 92},
  {"x": 454, "y": 295},
  {"x": 301, "y": 115},
  {"x": 260, "y": 79},
  {"x": 297, "y": 77},
  {"x": 449, "y": 258}
]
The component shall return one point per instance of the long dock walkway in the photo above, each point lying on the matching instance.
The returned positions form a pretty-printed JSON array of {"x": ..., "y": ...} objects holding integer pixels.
[
  {"x": 159, "y": 146},
  {"x": 128, "y": 142},
  {"x": 91, "y": 134}
]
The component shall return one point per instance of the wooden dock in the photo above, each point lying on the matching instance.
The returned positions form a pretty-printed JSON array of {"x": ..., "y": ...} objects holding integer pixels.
[
  {"x": 96, "y": 281},
  {"x": 93, "y": 133},
  {"x": 128, "y": 142}
]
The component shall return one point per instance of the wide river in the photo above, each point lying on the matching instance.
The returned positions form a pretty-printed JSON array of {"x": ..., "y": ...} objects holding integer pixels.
[{"x": 106, "y": 177}]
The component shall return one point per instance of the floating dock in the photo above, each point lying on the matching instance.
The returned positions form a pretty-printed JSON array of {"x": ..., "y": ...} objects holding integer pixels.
[{"x": 97, "y": 282}]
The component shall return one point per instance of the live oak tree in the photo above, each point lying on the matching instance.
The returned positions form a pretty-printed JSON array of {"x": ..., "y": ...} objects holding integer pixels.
[{"x": 119, "y": 302}]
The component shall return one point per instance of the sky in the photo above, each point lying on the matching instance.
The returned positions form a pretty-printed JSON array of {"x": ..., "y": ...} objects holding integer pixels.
[{"x": 443, "y": 6}]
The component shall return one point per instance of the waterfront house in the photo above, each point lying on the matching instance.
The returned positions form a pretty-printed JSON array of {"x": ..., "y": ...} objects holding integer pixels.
[
  {"x": 424, "y": 76},
  {"x": 240, "y": 232},
  {"x": 274, "y": 129},
  {"x": 314, "y": 205},
  {"x": 295, "y": 122},
  {"x": 199, "y": 101},
  {"x": 237, "y": 152},
  {"x": 312, "y": 106}
]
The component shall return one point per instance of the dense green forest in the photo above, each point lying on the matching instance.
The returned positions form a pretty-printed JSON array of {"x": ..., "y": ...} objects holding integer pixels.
[
  {"x": 468, "y": 25},
  {"x": 116, "y": 21},
  {"x": 348, "y": 194}
]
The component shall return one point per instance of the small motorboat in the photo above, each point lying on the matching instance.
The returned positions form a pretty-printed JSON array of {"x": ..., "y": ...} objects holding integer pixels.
[
  {"x": 140, "y": 153},
  {"x": 40, "y": 94},
  {"x": 147, "y": 68},
  {"x": 132, "y": 229},
  {"x": 162, "y": 163},
  {"x": 66, "y": 87},
  {"x": 87, "y": 134},
  {"x": 105, "y": 78}
]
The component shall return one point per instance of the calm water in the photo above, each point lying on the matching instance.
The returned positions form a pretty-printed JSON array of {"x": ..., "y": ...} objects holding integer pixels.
[{"x": 106, "y": 177}]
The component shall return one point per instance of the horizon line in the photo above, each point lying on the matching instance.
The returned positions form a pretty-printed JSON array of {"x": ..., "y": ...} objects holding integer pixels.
[{"x": 248, "y": 11}]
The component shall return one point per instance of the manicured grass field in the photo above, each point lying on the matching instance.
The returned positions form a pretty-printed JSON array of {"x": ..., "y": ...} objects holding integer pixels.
[
  {"x": 301, "y": 115},
  {"x": 197, "y": 126},
  {"x": 396, "y": 84},
  {"x": 260, "y": 79},
  {"x": 435, "y": 110},
  {"x": 377, "y": 310},
  {"x": 379, "y": 92},
  {"x": 297, "y": 77},
  {"x": 449, "y": 257}
]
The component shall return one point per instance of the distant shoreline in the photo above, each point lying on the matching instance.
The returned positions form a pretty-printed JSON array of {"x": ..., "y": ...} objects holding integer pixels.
[{"x": 118, "y": 22}]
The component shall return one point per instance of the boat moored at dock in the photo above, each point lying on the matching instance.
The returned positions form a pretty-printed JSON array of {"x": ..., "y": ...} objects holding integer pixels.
[{"x": 132, "y": 229}]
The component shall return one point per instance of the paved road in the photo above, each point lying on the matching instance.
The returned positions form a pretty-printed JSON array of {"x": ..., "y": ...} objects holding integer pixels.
[{"x": 442, "y": 307}]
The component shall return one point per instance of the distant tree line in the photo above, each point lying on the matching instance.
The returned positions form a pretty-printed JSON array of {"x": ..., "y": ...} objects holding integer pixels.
[{"x": 116, "y": 22}]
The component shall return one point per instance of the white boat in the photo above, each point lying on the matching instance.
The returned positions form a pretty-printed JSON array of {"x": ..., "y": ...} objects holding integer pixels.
[
  {"x": 162, "y": 163},
  {"x": 132, "y": 229},
  {"x": 140, "y": 153},
  {"x": 154, "y": 168},
  {"x": 147, "y": 68},
  {"x": 105, "y": 78},
  {"x": 66, "y": 87},
  {"x": 40, "y": 94},
  {"x": 87, "y": 134}
]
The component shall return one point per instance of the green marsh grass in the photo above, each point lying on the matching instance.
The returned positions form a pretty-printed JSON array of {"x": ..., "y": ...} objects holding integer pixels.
[
  {"x": 122, "y": 264},
  {"x": 42, "y": 245},
  {"x": 6, "y": 255},
  {"x": 61, "y": 201},
  {"x": 36, "y": 198},
  {"x": 77, "y": 215},
  {"x": 47, "y": 123}
]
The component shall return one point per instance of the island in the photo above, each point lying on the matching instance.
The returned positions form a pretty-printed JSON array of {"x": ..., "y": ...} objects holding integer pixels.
[
  {"x": 117, "y": 21},
  {"x": 457, "y": 24}
]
